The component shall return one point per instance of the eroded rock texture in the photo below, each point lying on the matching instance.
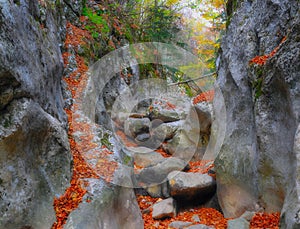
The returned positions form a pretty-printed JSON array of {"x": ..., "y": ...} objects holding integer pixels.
[
  {"x": 256, "y": 165},
  {"x": 35, "y": 163}
]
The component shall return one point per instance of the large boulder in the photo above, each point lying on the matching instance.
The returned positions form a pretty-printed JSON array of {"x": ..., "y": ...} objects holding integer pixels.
[
  {"x": 166, "y": 131},
  {"x": 35, "y": 164},
  {"x": 256, "y": 166},
  {"x": 158, "y": 173},
  {"x": 192, "y": 134},
  {"x": 169, "y": 109},
  {"x": 136, "y": 126},
  {"x": 111, "y": 206},
  {"x": 145, "y": 157},
  {"x": 180, "y": 145},
  {"x": 191, "y": 186}
]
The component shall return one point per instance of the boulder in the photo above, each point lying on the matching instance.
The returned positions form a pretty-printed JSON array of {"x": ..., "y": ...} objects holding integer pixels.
[
  {"x": 35, "y": 165},
  {"x": 191, "y": 186},
  {"x": 170, "y": 108},
  {"x": 179, "y": 224},
  {"x": 239, "y": 223},
  {"x": 136, "y": 126},
  {"x": 166, "y": 131},
  {"x": 158, "y": 190},
  {"x": 142, "y": 138},
  {"x": 164, "y": 208},
  {"x": 192, "y": 136},
  {"x": 181, "y": 146},
  {"x": 110, "y": 206},
  {"x": 204, "y": 112},
  {"x": 199, "y": 226},
  {"x": 145, "y": 157},
  {"x": 158, "y": 174}
]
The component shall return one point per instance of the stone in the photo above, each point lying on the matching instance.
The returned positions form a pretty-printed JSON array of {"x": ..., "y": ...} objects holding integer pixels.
[
  {"x": 247, "y": 215},
  {"x": 204, "y": 112},
  {"x": 291, "y": 207},
  {"x": 138, "y": 150},
  {"x": 199, "y": 226},
  {"x": 141, "y": 138},
  {"x": 158, "y": 190},
  {"x": 181, "y": 146},
  {"x": 35, "y": 156},
  {"x": 35, "y": 165},
  {"x": 145, "y": 157},
  {"x": 179, "y": 224},
  {"x": 239, "y": 223},
  {"x": 136, "y": 126},
  {"x": 158, "y": 174},
  {"x": 164, "y": 209},
  {"x": 196, "y": 218},
  {"x": 191, "y": 186},
  {"x": 192, "y": 136},
  {"x": 166, "y": 131},
  {"x": 154, "y": 190},
  {"x": 262, "y": 107},
  {"x": 170, "y": 108},
  {"x": 111, "y": 206}
]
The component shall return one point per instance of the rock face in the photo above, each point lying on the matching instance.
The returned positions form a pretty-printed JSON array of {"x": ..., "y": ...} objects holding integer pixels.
[
  {"x": 262, "y": 108},
  {"x": 35, "y": 156},
  {"x": 111, "y": 207},
  {"x": 34, "y": 151}
]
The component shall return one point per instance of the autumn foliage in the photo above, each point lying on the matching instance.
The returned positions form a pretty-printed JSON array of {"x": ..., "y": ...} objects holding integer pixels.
[
  {"x": 262, "y": 60},
  {"x": 207, "y": 96},
  {"x": 84, "y": 149},
  {"x": 265, "y": 220},
  {"x": 208, "y": 216}
]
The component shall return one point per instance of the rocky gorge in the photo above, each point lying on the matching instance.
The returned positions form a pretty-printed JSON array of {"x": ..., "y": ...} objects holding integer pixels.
[{"x": 72, "y": 157}]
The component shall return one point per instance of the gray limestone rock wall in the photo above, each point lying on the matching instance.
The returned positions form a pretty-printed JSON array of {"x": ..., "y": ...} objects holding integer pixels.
[
  {"x": 256, "y": 166},
  {"x": 35, "y": 162},
  {"x": 35, "y": 158}
]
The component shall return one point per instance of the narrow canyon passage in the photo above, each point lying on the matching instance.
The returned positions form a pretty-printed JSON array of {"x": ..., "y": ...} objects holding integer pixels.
[{"x": 121, "y": 114}]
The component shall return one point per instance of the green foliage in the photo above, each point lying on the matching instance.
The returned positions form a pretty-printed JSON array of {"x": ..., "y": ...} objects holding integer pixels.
[
  {"x": 160, "y": 24},
  {"x": 96, "y": 19},
  {"x": 257, "y": 84},
  {"x": 111, "y": 23},
  {"x": 105, "y": 140}
]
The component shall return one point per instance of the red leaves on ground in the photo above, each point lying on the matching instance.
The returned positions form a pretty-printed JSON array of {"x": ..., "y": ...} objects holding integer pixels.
[
  {"x": 82, "y": 148},
  {"x": 162, "y": 152},
  {"x": 262, "y": 60},
  {"x": 66, "y": 203},
  {"x": 265, "y": 220},
  {"x": 200, "y": 166},
  {"x": 208, "y": 216},
  {"x": 75, "y": 36},
  {"x": 207, "y": 96}
]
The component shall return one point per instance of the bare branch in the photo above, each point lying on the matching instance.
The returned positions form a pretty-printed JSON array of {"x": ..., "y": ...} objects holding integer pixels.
[{"x": 190, "y": 80}]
